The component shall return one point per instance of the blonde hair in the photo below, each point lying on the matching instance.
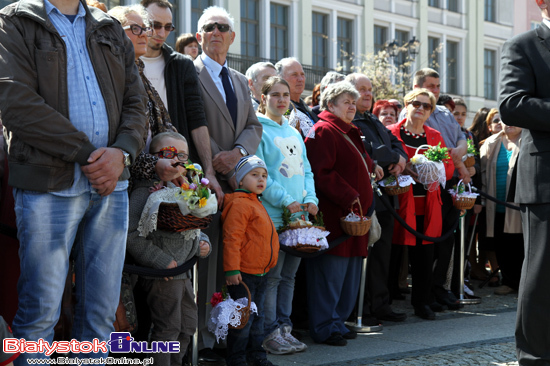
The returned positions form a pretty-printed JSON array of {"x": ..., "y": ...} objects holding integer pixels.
[
  {"x": 155, "y": 142},
  {"x": 490, "y": 116},
  {"x": 121, "y": 13},
  {"x": 410, "y": 97}
]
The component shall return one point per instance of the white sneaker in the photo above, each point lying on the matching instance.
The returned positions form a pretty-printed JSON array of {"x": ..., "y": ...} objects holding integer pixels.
[
  {"x": 276, "y": 344},
  {"x": 285, "y": 332}
]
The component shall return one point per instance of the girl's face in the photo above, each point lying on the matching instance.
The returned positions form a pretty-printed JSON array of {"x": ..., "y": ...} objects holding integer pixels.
[
  {"x": 277, "y": 100},
  {"x": 460, "y": 114},
  {"x": 495, "y": 126},
  {"x": 192, "y": 49}
]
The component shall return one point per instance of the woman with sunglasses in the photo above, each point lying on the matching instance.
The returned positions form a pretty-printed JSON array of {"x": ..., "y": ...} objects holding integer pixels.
[
  {"x": 419, "y": 207},
  {"x": 148, "y": 166}
]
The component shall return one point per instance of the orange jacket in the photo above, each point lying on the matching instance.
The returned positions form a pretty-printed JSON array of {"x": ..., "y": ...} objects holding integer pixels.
[{"x": 250, "y": 240}]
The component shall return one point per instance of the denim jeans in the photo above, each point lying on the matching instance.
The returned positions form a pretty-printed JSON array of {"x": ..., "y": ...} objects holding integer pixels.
[
  {"x": 279, "y": 292},
  {"x": 49, "y": 227},
  {"x": 246, "y": 344}
]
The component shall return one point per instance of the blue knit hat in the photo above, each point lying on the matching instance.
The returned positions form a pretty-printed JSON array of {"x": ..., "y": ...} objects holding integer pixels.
[{"x": 246, "y": 164}]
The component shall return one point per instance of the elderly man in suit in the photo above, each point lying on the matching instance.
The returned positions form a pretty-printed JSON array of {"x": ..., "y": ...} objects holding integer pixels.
[
  {"x": 524, "y": 101},
  {"x": 234, "y": 129}
]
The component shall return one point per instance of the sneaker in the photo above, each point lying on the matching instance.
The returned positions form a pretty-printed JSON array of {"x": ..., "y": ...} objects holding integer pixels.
[
  {"x": 504, "y": 290},
  {"x": 287, "y": 335},
  {"x": 276, "y": 344}
]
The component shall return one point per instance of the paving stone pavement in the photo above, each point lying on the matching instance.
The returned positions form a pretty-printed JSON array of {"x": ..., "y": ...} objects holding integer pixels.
[{"x": 481, "y": 334}]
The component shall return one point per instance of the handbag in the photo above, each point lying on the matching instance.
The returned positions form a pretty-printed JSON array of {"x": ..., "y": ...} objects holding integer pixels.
[{"x": 375, "y": 231}]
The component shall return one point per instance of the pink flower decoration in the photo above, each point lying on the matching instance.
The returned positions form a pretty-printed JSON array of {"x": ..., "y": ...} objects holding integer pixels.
[
  {"x": 193, "y": 186},
  {"x": 216, "y": 298},
  {"x": 205, "y": 181}
]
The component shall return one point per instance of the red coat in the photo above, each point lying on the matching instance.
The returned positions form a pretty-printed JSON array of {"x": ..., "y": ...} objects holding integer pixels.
[
  {"x": 407, "y": 207},
  {"x": 340, "y": 177}
]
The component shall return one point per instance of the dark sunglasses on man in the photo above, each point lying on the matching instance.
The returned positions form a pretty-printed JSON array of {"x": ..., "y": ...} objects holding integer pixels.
[
  {"x": 167, "y": 27},
  {"x": 416, "y": 104},
  {"x": 137, "y": 30},
  {"x": 221, "y": 27}
]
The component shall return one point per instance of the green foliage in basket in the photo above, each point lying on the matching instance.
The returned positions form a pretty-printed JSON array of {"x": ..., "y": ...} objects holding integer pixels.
[
  {"x": 390, "y": 181},
  {"x": 437, "y": 153},
  {"x": 287, "y": 217},
  {"x": 471, "y": 148}
]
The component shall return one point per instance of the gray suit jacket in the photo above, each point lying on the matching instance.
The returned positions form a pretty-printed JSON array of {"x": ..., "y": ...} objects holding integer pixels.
[
  {"x": 524, "y": 101},
  {"x": 224, "y": 136}
]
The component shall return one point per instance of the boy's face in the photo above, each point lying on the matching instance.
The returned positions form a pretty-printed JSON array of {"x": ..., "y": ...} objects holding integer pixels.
[
  {"x": 255, "y": 181},
  {"x": 180, "y": 146}
]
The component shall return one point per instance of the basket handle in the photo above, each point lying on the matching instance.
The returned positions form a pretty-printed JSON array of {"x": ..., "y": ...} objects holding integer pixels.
[
  {"x": 461, "y": 182},
  {"x": 360, "y": 207},
  {"x": 422, "y": 147},
  {"x": 248, "y": 291}
]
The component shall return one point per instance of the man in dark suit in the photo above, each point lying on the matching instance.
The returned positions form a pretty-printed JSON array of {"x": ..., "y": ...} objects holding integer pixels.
[
  {"x": 234, "y": 132},
  {"x": 524, "y": 101}
]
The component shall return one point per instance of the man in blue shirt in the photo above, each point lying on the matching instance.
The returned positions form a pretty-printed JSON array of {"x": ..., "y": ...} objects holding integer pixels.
[{"x": 73, "y": 109}]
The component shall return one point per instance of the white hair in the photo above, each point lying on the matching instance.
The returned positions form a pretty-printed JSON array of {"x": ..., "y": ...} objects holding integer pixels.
[
  {"x": 280, "y": 66},
  {"x": 121, "y": 12},
  {"x": 253, "y": 70},
  {"x": 215, "y": 11},
  {"x": 334, "y": 91},
  {"x": 331, "y": 77}
]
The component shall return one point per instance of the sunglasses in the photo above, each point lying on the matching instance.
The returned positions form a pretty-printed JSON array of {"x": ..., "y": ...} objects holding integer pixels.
[
  {"x": 170, "y": 152},
  {"x": 138, "y": 30},
  {"x": 221, "y": 27},
  {"x": 496, "y": 120},
  {"x": 416, "y": 104},
  {"x": 168, "y": 27}
]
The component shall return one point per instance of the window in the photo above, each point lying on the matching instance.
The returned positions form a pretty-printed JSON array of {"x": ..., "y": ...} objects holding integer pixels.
[
  {"x": 402, "y": 38},
  {"x": 380, "y": 38},
  {"x": 319, "y": 38},
  {"x": 452, "y": 67},
  {"x": 197, "y": 7},
  {"x": 434, "y": 3},
  {"x": 452, "y": 5},
  {"x": 279, "y": 31},
  {"x": 490, "y": 10},
  {"x": 434, "y": 49},
  {"x": 250, "y": 30},
  {"x": 171, "y": 39},
  {"x": 344, "y": 35},
  {"x": 489, "y": 74}
]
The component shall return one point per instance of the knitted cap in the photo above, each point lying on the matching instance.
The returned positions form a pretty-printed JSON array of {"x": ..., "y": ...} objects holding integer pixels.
[{"x": 246, "y": 164}]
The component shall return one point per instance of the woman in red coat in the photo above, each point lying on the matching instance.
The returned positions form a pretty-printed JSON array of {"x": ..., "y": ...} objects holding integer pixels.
[
  {"x": 339, "y": 163},
  {"x": 419, "y": 207}
]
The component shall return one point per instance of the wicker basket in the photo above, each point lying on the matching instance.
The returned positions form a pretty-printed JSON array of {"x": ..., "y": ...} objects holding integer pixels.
[
  {"x": 463, "y": 203},
  {"x": 356, "y": 228},
  {"x": 245, "y": 312},
  {"x": 170, "y": 218},
  {"x": 306, "y": 248},
  {"x": 470, "y": 161},
  {"x": 396, "y": 190}
]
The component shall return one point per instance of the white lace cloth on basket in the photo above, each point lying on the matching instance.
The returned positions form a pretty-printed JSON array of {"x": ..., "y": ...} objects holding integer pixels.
[
  {"x": 149, "y": 216},
  {"x": 311, "y": 235},
  {"x": 225, "y": 313},
  {"x": 306, "y": 126}
]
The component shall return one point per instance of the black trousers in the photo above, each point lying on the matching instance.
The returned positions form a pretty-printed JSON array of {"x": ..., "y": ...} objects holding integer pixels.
[{"x": 533, "y": 322}]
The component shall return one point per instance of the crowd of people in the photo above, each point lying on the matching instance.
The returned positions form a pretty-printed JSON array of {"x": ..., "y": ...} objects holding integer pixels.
[{"x": 97, "y": 118}]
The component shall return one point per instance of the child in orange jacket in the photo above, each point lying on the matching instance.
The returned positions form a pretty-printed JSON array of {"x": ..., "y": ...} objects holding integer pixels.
[{"x": 250, "y": 250}]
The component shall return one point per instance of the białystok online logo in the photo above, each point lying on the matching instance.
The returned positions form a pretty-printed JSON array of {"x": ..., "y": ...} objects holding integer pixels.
[{"x": 120, "y": 342}]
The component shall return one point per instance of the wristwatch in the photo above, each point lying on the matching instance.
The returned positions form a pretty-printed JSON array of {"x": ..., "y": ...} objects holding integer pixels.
[
  {"x": 126, "y": 160},
  {"x": 242, "y": 151}
]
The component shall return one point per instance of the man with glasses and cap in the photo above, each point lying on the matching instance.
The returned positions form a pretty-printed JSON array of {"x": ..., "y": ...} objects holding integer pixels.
[
  {"x": 175, "y": 79},
  {"x": 234, "y": 132}
]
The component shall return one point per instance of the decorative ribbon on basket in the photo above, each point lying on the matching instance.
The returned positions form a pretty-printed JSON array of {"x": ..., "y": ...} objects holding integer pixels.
[
  {"x": 228, "y": 314},
  {"x": 356, "y": 225},
  {"x": 430, "y": 166},
  {"x": 303, "y": 235},
  {"x": 395, "y": 186},
  {"x": 461, "y": 199}
]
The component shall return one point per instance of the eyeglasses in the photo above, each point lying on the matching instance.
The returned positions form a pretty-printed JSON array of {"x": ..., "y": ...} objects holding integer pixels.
[
  {"x": 170, "y": 152},
  {"x": 137, "y": 30},
  {"x": 221, "y": 27},
  {"x": 416, "y": 104},
  {"x": 496, "y": 120},
  {"x": 167, "y": 27}
]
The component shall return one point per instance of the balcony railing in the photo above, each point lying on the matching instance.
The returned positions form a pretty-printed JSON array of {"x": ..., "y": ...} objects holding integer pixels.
[{"x": 242, "y": 63}]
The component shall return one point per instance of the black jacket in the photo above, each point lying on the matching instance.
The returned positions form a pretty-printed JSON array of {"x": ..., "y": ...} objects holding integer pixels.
[{"x": 183, "y": 94}]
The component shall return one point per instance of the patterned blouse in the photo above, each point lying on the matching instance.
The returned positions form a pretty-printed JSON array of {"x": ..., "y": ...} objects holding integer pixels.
[{"x": 159, "y": 121}]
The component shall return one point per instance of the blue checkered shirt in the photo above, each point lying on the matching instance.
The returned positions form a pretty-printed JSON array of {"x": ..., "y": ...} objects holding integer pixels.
[{"x": 87, "y": 110}]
